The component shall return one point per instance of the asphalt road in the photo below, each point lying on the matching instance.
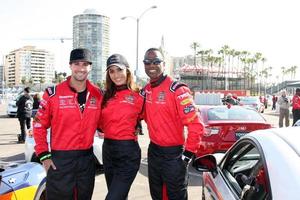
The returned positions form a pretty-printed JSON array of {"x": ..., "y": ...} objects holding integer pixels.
[{"x": 10, "y": 150}]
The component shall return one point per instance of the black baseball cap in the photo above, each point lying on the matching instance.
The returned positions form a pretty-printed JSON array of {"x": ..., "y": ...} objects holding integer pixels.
[
  {"x": 117, "y": 60},
  {"x": 81, "y": 54}
]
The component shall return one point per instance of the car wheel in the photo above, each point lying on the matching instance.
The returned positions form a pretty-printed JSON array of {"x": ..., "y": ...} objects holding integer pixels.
[{"x": 41, "y": 193}]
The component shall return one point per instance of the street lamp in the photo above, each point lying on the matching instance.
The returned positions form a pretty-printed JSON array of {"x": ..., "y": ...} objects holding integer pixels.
[{"x": 137, "y": 19}]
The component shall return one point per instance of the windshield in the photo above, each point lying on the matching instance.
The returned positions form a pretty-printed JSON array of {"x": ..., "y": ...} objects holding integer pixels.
[
  {"x": 249, "y": 100},
  {"x": 236, "y": 114}
]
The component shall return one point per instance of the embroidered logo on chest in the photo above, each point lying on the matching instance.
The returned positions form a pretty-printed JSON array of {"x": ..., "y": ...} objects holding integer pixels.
[
  {"x": 161, "y": 97},
  {"x": 93, "y": 101},
  {"x": 129, "y": 99}
]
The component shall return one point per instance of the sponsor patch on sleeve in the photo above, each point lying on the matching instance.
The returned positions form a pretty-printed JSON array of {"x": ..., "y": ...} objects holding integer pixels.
[
  {"x": 189, "y": 108},
  {"x": 37, "y": 125},
  {"x": 51, "y": 91},
  {"x": 185, "y": 101},
  {"x": 184, "y": 95},
  {"x": 142, "y": 93},
  {"x": 175, "y": 85}
]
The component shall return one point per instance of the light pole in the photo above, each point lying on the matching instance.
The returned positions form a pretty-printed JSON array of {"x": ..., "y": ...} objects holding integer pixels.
[{"x": 137, "y": 19}]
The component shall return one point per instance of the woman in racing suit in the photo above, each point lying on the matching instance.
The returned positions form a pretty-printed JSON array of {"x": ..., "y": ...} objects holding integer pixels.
[{"x": 122, "y": 104}]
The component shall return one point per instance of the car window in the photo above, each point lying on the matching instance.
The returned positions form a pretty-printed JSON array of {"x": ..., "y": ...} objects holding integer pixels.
[
  {"x": 237, "y": 114},
  {"x": 245, "y": 172},
  {"x": 249, "y": 100}
]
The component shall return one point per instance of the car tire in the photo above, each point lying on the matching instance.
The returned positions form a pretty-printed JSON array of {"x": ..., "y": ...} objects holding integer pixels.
[{"x": 41, "y": 192}]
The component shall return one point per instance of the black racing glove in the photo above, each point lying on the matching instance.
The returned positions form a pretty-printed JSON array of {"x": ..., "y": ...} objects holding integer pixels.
[{"x": 187, "y": 156}]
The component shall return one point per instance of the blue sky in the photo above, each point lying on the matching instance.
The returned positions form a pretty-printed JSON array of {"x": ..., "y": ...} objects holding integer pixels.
[{"x": 267, "y": 26}]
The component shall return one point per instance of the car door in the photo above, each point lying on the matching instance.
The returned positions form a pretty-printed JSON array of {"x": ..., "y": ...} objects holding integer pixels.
[{"x": 241, "y": 174}]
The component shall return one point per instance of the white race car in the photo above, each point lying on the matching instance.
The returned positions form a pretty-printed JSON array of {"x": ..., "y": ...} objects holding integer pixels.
[{"x": 30, "y": 155}]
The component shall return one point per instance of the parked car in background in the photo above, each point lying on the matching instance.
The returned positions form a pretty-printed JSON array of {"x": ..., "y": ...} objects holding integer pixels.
[
  {"x": 252, "y": 102},
  {"x": 12, "y": 107},
  {"x": 30, "y": 155},
  {"x": 224, "y": 125},
  {"x": 262, "y": 165},
  {"x": 22, "y": 181}
]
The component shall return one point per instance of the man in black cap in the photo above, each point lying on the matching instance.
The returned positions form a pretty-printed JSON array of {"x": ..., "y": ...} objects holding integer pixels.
[
  {"x": 72, "y": 110},
  {"x": 24, "y": 111}
]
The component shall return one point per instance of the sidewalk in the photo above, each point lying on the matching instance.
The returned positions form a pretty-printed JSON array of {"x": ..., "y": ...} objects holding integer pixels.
[{"x": 276, "y": 112}]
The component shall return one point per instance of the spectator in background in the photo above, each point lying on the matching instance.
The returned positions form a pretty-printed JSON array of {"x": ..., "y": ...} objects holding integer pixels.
[
  {"x": 229, "y": 99},
  {"x": 296, "y": 106},
  {"x": 24, "y": 111},
  {"x": 274, "y": 101},
  {"x": 284, "y": 112},
  {"x": 265, "y": 102},
  {"x": 36, "y": 103}
]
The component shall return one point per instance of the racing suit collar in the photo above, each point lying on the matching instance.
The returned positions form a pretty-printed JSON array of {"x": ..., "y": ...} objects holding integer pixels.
[
  {"x": 158, "y": 81},
  {"x": 121, "y": 87}
]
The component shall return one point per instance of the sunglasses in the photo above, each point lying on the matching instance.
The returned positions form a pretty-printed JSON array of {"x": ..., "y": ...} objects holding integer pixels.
[{"x": 154, "y": 61}]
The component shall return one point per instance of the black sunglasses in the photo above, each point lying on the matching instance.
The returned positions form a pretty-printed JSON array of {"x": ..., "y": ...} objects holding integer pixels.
[{"x": 154, "y": 61}]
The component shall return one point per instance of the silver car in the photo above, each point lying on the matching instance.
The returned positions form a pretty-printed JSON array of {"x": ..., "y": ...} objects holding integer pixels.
[
  {"x": 30, "y": 155},
  {"x": 262, "y": 165}
]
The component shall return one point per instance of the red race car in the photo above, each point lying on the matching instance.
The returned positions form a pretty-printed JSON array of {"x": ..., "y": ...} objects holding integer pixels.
[{"x": 224, "y": 125}]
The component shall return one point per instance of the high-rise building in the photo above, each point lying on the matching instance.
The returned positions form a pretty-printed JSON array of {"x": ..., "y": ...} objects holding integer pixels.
[
  {"x": 29, "y": 64},
  {"x": 91, "y": 31},
  {"x": 1, "y": 78}
]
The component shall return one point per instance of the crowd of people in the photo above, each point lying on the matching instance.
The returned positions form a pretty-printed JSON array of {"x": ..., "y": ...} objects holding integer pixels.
[
  {"x": 283, "y": 102},
  {"x": 75, "y": 109}
]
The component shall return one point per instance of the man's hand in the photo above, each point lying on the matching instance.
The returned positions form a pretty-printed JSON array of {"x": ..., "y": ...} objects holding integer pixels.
[{"x": 47, "y": 164}]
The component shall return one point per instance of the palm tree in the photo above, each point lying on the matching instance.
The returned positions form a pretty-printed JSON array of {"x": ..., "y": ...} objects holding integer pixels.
[
  {"x": 224, "y": 52},
  {"x": 283, "y": 71},
  {"x": 231, "y": 56},
  {"x": 244, "y": 60},
  {"x": 294, "y": 70},
  {"x": 195, "y": 46}
]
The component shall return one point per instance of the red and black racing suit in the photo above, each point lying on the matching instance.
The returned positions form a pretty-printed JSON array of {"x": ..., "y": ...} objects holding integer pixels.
[
  {"x": 121, "y": 151},
  {"x": 296, "y": 108},
  {"x": 168, "y": 108},
  {"x": 71, "y": 140}
]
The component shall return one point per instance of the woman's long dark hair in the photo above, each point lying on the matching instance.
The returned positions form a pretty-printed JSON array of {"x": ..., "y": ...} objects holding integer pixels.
[{"x": 111, "y": 88}]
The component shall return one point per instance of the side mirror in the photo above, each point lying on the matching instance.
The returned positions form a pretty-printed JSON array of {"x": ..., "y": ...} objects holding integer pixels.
[{"x": 207, "y": 163}]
